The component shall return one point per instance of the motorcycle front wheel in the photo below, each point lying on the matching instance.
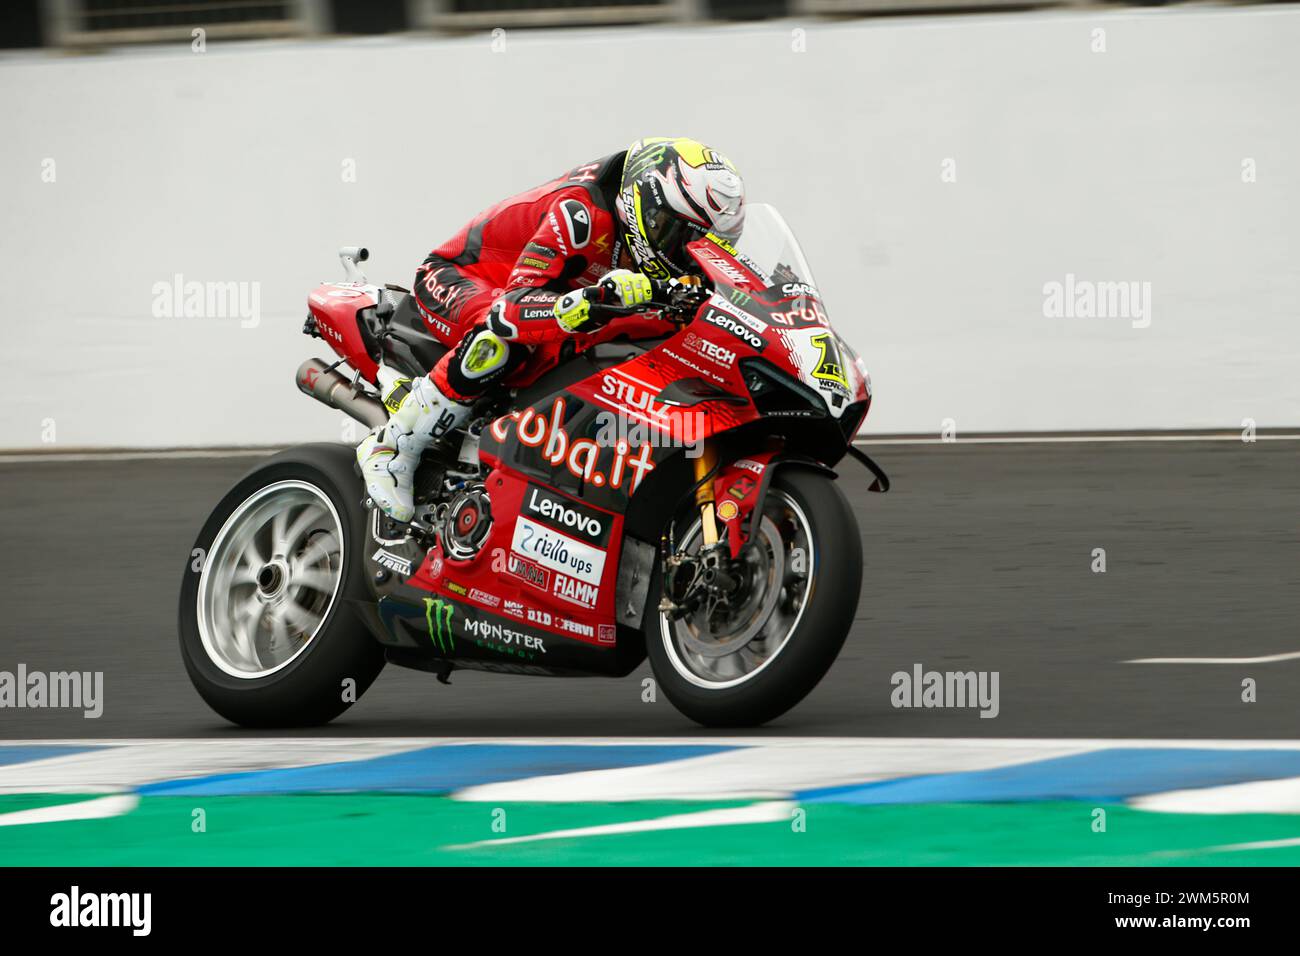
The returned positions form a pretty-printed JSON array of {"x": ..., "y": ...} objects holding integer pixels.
[
  {"x": 802, "y": 577},
  {"x": 268, "y": 632}
]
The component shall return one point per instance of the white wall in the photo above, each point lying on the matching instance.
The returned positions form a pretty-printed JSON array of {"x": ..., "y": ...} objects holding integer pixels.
[{"x": 1122, "y": 165}]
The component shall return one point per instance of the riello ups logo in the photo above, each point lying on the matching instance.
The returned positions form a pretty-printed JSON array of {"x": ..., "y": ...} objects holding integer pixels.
[{"x": 437, "y": 614}]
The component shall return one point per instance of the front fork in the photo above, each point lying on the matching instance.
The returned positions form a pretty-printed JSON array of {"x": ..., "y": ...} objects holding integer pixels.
[
  {"x": 704, "y": 468},
  {"x": 708, "y": 574}
]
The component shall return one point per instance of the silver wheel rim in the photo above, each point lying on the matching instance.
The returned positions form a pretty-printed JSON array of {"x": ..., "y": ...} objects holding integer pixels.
[
  {"x": 763, "y": 629},
  {"x": 270, "y": 579}
]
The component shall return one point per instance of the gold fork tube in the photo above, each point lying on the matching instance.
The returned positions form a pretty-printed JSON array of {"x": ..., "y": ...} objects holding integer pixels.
[{"x": 704, "y": 493}]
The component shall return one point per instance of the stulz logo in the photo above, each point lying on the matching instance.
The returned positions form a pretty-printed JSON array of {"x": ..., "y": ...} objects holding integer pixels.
[
  {"x": 74, "y": 908},
  {"x": 735, "y": 327},
  {"x": 641, "y": 399},
  {"x": 558, "y": 551},
  {"x": 566, "y": 515},
  {"x": 392, "y": 562}
]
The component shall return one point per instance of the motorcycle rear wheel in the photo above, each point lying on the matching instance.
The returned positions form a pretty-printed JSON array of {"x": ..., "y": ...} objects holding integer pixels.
[{"x": 268, "y": 631}]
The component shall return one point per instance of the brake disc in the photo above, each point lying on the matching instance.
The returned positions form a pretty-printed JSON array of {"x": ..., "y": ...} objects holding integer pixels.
[{"x": 767, "y": 573}]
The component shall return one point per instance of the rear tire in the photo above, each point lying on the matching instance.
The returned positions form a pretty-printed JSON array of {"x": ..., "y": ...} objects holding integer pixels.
[
  {"x": 780, "y": 676},
  {"x": 268, "y": 632}
]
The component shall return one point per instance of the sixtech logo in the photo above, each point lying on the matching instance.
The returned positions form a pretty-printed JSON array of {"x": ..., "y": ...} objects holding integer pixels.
[{"x": 437, "y": 614}]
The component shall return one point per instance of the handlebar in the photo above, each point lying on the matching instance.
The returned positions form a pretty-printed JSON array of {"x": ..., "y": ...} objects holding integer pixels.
[{"x": 677, "y": 300}]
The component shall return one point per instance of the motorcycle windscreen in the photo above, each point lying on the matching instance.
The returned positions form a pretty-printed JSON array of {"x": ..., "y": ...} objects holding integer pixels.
[{"x": 769, "y": 248}]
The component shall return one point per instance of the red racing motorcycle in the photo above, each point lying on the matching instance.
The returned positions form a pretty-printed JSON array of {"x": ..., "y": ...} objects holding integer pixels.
[{"x": 662, "y": 487}]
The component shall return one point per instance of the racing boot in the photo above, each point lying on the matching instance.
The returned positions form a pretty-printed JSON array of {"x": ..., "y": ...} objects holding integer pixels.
[{"x": 389, "y": 455}]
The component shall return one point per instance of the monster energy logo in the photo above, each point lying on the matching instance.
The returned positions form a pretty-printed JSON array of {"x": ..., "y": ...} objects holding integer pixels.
[
  {"x": 437, "y": 613},
  {"x": 640, "y": 162},
  {"x": 739, "y": 297}
]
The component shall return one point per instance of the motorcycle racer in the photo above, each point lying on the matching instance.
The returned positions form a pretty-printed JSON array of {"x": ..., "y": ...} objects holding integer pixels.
[{"x": 515, "y": 276}]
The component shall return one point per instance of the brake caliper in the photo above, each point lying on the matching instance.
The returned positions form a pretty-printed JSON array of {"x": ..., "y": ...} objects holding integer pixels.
[{"x": 708, "y": 580}]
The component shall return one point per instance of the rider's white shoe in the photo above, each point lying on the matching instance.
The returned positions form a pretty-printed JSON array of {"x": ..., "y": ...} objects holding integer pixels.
[{"x": 389, "y": 455}]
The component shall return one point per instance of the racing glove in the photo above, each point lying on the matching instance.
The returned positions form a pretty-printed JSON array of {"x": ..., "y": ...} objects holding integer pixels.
[
  {"x": 631, "y": 288},
  {"x": 573, "y": 312},
  {"x": 622, "y": 287}
]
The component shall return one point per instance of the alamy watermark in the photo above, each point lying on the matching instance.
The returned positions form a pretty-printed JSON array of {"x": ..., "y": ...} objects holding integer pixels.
[
  {"x": 685, "y": 429},
  {"x": 76, "y": 908},
  {"x": 1084, "y": 299},
  {"x": 949, "y": 689},
  {"x": 75, "y": 690},
  {"x": 181, "y": 299}
]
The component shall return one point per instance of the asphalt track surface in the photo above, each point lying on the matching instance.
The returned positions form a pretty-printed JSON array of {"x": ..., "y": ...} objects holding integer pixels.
[{"x": 979, "y": 559}]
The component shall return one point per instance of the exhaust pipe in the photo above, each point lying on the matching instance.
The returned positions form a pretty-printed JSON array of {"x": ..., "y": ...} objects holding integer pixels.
[{"x": 327, "y": 386}]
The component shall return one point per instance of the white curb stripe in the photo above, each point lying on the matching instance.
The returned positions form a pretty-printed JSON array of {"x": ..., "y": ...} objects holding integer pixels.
[
  {"x": 1255, "y": 796},
  {"x": 1268, "y": 659},
  {"x": 97, "y": 809},
  {"x": 768, "y": 812}
]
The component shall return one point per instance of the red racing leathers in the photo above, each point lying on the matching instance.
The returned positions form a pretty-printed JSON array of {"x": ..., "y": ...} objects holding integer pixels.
[{"x": 504, "y": 270}]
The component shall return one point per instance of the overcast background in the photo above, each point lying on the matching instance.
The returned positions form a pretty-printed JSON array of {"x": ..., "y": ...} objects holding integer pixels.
[{"x": 1123, "y": 165}]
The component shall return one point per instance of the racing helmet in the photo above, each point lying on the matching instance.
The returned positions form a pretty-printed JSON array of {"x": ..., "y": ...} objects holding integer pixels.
[{"x": 674, "y": 191}]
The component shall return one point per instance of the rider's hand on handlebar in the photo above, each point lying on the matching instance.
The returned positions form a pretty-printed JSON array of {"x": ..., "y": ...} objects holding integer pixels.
[
  {"x": 627, "y": 287},
  {"x": 588, "y": 309},
  {"x": 573, "y": 312}
]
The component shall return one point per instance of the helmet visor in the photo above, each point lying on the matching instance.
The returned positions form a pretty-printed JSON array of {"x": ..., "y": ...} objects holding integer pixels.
[{"x": 669, "y": 233}]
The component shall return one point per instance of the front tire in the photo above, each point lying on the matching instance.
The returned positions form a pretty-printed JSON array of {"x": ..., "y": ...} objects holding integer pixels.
[
  {"x": 267, "y": 630},
  {"x": 809, "y": 557}
]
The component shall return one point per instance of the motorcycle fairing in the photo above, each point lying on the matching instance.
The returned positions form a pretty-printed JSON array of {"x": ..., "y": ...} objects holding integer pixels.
[
  {"x": 546, "y": 579},
  {"x": 541, "y": 595},
  {"x": 336, "y": 308},
  {"x": 452, "y": 629},
  {"x": 788, "y": 315}
]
